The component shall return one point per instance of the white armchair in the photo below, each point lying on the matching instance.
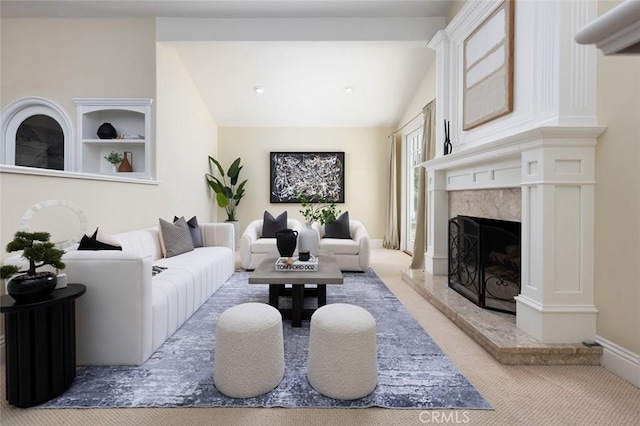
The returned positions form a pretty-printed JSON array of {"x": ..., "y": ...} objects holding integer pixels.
[
  {"x": 254, "y": 249},
  {"x": 352, "y": 254}
]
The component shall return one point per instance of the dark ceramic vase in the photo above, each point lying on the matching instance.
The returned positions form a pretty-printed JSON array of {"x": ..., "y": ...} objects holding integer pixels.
[
  {"x": 25, "y": 288},
  {"x": 107, "y": 131},
  {"x": 286, "y": 240}
]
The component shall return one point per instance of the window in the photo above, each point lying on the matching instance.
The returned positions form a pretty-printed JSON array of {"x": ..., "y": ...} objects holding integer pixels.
[
  {"x": 36, "y": 133},
  {"x": 413, "y": 159}
]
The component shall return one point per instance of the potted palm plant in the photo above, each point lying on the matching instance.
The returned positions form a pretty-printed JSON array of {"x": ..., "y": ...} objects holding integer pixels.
[
  {"x": 32, "y": 285},
  {"x": 228, "y": 193}
]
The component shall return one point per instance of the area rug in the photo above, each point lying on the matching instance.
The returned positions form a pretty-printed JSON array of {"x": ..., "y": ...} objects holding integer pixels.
[{"x": 413, "y": 372}]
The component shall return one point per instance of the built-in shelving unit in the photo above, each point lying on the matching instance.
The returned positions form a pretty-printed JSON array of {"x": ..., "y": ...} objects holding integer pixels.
[{"x": 132, "y": 120}]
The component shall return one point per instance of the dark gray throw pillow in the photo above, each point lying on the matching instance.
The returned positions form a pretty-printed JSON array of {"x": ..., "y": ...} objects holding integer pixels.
[
  {"x": 176, "y": 237},
  {"x": 271, "y": 225},
  {"x": 339, "y": 228},
  {"x": 194, "y": 228}
]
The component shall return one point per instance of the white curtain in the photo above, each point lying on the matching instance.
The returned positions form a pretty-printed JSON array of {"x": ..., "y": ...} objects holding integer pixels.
[
  {"x": 392, "y": 229},
  {"x": 427, "y": 153}
]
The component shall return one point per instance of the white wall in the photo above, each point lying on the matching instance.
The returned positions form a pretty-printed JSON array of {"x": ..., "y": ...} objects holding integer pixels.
[
  {"x": 365, "y": 164},
  {"x": 61, "y": 59},
  {"x": 108, "y": 58},
  {"x": 424, "y": 93},
  {"x": 186, "y": 136},
  {"x": 617, "y": 237}
]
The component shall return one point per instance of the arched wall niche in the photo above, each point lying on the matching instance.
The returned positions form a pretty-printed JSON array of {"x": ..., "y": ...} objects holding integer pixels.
[{"x": 27, "y": 112}]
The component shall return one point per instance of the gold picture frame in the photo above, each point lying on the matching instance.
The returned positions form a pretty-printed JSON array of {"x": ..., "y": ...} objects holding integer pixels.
[{"x": 488, "y": 68}]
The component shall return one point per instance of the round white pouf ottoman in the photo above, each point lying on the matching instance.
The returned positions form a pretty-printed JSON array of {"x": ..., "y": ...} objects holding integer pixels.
[
  {"x": 342, "y": 362},
  {"x": 249, "y": 351}
]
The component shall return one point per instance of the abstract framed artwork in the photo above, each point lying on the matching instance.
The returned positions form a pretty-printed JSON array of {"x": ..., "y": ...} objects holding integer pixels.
[
  {"x": 306, "y": 173},
  {"x": 488, "y": 68}
]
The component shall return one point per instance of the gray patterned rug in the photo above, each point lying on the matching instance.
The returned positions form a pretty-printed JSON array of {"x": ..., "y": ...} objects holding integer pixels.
[{"x": 413, "y": 370}]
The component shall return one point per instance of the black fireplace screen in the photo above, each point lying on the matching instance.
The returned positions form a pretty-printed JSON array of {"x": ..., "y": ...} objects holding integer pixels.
[{"x": 484, "y": 261}]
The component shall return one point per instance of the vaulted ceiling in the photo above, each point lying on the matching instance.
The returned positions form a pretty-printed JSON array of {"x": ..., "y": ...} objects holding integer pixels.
[{"x": 318, "y": 63}]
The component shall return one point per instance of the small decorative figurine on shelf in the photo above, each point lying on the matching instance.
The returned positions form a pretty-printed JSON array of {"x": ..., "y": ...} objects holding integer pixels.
[
  {"x": 107, "y": 131},
  {"x": 447, "y": 142}
]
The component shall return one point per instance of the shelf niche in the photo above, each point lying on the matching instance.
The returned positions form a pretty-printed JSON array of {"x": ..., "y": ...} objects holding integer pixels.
[{"x": 132, "y": 120}]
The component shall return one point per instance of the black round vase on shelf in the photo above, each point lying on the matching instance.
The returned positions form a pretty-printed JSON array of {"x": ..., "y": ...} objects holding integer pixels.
[
  {"x": 286, "y": 240},
  {"x": 26, "y": 288},
  {"x": 107, "y": 131}
]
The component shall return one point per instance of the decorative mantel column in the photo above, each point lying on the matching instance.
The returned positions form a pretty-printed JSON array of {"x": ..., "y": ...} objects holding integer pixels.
[
  {"x": 556, "y": 304},
  {"x": 436, "y": 257},
  {"x": 436, "y": 261}
]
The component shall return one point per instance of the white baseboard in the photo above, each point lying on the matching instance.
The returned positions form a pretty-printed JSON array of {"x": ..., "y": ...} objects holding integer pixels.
[
  {"x": 620, "y": 361},
  {"x": 375, "y": 243}
]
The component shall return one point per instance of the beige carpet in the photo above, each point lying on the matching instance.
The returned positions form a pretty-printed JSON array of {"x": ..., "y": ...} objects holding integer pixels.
[{"x": 521, "y": 395}]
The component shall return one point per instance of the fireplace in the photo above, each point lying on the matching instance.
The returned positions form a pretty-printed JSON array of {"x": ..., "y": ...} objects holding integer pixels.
[
  {"x": 484, "y": 261},
  {"x": 546, "y": 147}
]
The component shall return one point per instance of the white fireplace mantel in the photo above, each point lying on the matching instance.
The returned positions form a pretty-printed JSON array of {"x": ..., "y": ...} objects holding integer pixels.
[
  {"x": 514, "y": 144},
  {"x": 497, "y": 164},
  {"x": 555, "y": 169}
]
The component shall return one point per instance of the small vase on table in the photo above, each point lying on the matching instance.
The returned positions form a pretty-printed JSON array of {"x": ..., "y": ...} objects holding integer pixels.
[{"x": 308, "y": 242}]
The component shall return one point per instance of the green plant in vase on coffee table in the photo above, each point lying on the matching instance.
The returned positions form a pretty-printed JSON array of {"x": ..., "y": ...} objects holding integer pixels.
[
  {"x": 314, "y": 208},
  {"x": 317, "y": 209}
]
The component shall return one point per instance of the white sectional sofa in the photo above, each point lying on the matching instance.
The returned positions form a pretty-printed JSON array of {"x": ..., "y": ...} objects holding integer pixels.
[
  {"x": 351, "y": 254},
  {"x": 126, "y": 313}
]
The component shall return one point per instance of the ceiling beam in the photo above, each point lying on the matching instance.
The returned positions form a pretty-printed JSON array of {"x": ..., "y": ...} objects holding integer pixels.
[{"x": 419, "y": 29}]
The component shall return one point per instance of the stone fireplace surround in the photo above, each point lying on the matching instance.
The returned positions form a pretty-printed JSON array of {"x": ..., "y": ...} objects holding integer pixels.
[{"x": 501, "y": 204}]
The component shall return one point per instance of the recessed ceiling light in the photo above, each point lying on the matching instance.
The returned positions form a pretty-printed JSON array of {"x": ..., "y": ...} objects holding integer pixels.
[
  {"x": 348, "y": 89},
  {"x": 259, "y": 90}
]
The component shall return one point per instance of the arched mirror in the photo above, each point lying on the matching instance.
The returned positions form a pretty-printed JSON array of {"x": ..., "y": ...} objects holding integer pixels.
[
  {"x": 64, "y": 220},
  {"x": 36, "y": 133}
]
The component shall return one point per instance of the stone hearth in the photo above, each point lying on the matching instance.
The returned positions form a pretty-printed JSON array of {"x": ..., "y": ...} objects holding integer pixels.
[{"x": 496, "y": 332}]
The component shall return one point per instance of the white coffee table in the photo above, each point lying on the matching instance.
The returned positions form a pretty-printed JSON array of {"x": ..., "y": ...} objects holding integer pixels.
[{"x": 328, "y": 273}]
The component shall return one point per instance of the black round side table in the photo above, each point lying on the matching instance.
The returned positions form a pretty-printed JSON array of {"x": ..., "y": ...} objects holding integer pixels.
[{"x": 41, "y": 346}]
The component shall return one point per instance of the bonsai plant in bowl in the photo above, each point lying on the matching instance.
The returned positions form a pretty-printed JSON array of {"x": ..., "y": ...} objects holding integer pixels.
[{"x": 32, "y": 285}]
